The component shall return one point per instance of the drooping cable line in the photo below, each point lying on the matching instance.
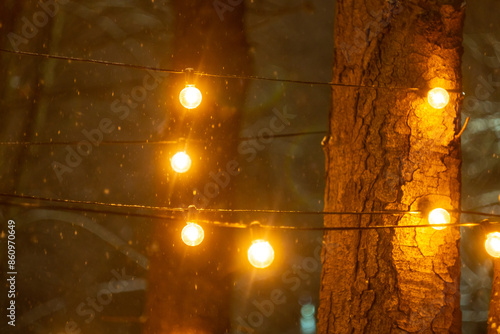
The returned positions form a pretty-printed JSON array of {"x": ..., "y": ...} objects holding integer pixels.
[
  {"x": 223, "y": 76},
  {"x": 261, "y": 253},
  {"x": 91, "y": 61},
  {"x": 117, "y": 205},
  {"x": 161, "y": 142},
  {"x": 233, "y": 225},
  {"x": 261, "y": 211},
  {"x": 49, "y": 206}
]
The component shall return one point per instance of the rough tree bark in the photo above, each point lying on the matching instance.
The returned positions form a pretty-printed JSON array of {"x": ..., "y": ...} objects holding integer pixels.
[{"x": 388, "y": 149}]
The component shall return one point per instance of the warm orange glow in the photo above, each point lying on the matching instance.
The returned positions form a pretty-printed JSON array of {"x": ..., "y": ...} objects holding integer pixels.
[
  {"x": 439, "y": 217},
  {"x": 438, "y": 98},
  {"x": 190, "y": 97},
  {"x": 181, "y": 162},
  {"x": 492, "y": 244},
  {"x": 192, "y": 234},
  {"x": 260, "y": 254}
]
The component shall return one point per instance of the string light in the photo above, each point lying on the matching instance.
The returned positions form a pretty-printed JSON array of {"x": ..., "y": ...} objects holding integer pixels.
[
  {"x": 492, "y": 244},
  {"x": 438, "y": 98},
  {"x": 181, "y": 162},
  {"x": 439, "y": 217},
  {"x": 192, "y": 234},
  {"x": 190, "y": 96},
  {"x": 260, "y": 254}
]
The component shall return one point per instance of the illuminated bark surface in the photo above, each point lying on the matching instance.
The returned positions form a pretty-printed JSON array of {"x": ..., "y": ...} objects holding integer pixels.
[{"x": 388, "y": 149}]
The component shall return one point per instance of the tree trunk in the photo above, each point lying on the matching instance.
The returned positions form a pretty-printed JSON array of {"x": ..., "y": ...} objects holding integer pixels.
[
  {"x": 494, "y": 312},
  {"x": 389, "y": 150},
  {"x": 190, "y": 287}
]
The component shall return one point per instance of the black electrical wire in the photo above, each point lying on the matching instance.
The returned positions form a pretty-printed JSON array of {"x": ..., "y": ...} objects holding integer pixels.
[
  {"x": 159, "y": 142},
  {"x": 266, "y": 211},
  {"x": 117, "y": 205},
  {"x": 192, "y": 210},
  {"x": 244, "y": 226},
  {"x": 92, "y": 61},
  {"x": 224, "y": 76},
  {"x": 88, "y": 210},
  {"x": 375, "y": 227}
]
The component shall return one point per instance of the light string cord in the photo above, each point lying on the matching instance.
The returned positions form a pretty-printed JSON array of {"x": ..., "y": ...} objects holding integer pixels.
[
  {"x": 184, "y": 211},
  {"x": 224, "y": 76},
  {"x": 160, "y": 142}
]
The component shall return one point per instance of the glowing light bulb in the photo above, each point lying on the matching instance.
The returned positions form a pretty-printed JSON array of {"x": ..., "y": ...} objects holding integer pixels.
[
  {"x": 492, "y": 244},
  {"x": 190, "y": 97},
  {"x": 438, "y": 98},
  {"x": 192, "y": 234},
  {"x": 260, "y": 254},
  {"x": 439, "y": 216},
  {"x": 181, "y": 162}
]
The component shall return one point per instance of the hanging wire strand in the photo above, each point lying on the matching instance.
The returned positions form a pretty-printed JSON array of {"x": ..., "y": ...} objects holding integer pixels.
[
  {"x": 284, "y": 135},
  {"x": 382, "y": 212},
  {"x": 320, "y": 83},
  {"x": 117, "y": 205},
  {"x": 159, "y": 142},
  {"x": 104, "y": 142},
  {"x": 183, "y": 211},
  {"x": 375, "y": 227},
  {"x": 92, "y": 61},
  {"x": 477, "y": 213},
  {"x": 340, "y": 228},
  {"x": 266, "y": 211},
  {"x": 89, "y": 210},
  {"x": 245, "y": 226},
  {"x": 224, "y": 76}
]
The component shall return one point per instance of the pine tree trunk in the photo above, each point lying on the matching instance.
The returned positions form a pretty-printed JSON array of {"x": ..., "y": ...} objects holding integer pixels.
[
  {"x": 494, "y": 312},
  {"x": 388, "y": 149},
  {"x": 190, "y": 288}
]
